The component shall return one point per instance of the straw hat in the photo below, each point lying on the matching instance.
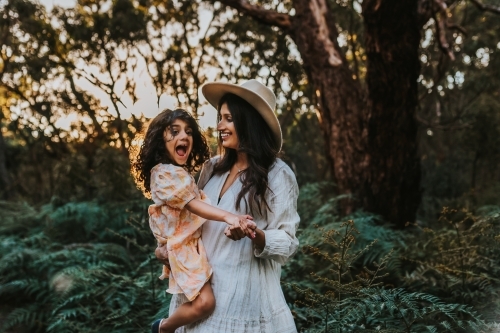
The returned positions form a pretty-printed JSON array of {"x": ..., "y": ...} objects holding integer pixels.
[{"x": 258, "y": 95}]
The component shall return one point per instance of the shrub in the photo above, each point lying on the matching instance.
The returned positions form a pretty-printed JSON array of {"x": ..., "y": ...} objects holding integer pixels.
[{"x": 78, "y": 267}]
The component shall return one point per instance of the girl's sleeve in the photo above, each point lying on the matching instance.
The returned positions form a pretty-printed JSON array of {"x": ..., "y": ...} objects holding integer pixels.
[
  {"x": 283, "y": 219},
  {"x": 172, "y": 186}
]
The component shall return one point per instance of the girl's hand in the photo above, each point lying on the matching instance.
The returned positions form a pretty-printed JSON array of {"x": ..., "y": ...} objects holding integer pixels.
[
  {"x": 248, "y": 226},
  {"x": 161, "y": 254}
]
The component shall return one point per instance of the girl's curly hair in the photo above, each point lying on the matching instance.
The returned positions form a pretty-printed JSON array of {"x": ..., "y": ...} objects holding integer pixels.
[{"x": 153, "y": 150}]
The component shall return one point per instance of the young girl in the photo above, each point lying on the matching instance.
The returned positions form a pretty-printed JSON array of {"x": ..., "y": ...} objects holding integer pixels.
[{"x": 172, "y": 148}]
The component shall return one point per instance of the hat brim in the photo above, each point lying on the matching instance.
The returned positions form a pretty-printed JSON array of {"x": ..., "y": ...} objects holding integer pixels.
[{"x": 213, "y": 92}]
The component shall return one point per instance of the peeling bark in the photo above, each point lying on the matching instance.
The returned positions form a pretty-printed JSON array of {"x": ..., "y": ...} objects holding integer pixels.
[
  {"x": 341, "y": 100},
  {"x": 319, "y": 11}
]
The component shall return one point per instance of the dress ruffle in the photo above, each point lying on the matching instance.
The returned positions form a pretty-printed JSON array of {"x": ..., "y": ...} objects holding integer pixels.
[{"x": 280, "y": 321}]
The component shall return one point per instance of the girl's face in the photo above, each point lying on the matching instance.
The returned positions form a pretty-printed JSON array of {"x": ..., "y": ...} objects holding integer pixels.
[
  {"x": 178, "y": 139},
  {"x": 226, "y": 128}
]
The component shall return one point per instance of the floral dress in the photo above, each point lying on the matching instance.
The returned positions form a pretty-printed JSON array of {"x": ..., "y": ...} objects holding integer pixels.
[{"x": 172, "y": 224}]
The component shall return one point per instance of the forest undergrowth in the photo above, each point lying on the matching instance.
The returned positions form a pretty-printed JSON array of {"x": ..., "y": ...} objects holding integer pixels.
[{"x": 89, "y": 267}]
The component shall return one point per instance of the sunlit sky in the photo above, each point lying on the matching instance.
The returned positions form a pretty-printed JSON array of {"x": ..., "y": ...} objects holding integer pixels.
[{"x": 145, "y": 91}]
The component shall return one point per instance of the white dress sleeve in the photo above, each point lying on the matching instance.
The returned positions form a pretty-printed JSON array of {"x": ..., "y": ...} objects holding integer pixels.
[{"x": 283, "y": 219}]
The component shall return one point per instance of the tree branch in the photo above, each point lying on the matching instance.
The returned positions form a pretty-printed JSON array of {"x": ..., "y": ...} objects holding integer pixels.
[
  {"x": 269, "y": 17},
  {"x": 353, "y": 43},
  {"x": 488, "y": 8},
  {"x": 203, "y": 41},
  {"x": 452, "y": 26},
  {"x": 441, "y": 23}
]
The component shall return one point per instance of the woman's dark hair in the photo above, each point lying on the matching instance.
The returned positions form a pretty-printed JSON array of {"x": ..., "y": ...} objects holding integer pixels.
[
  {"x": 153, "y": 149},
  {"x": 257, "y": 141}
]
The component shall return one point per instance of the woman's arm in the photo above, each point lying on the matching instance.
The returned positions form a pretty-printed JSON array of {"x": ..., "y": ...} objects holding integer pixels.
[{"x": 277, "y": 239}]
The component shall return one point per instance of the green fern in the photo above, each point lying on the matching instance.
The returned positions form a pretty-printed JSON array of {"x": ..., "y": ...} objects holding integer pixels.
[
  {"x": 458, "y": 259},
  {"x": 349, "y": 300},
  {"x": 79, "y": 267}
]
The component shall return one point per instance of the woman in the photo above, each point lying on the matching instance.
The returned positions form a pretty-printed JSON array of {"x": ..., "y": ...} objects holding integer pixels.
[{"x": 247, "y": 178}]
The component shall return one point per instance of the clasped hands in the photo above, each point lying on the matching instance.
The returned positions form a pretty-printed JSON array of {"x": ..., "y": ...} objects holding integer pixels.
[{"x": 239, "y": 227}]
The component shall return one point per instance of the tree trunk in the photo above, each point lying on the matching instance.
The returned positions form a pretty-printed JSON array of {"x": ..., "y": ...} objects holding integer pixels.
[
  {"x": 371, "y": 136},
  {"x": 4, "y": 175},
  {"x": 392, "y": 35},
  {"x": 340, "y": 96}
]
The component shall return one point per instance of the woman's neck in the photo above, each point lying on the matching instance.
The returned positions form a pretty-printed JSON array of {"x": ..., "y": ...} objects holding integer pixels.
[{"x": 241, "y": 162}]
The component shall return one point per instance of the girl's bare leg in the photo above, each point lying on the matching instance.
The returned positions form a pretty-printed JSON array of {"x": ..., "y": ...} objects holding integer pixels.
[{"x": 201, "y": 307}]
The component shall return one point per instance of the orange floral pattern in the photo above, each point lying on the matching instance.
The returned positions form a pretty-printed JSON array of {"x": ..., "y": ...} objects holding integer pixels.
[{"x": 176, "y": 227}]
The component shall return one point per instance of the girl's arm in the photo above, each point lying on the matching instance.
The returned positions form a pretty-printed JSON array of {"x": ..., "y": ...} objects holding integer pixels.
[
  {"x": 210, "y": 212},
  {"x": 173, "y": 186}
]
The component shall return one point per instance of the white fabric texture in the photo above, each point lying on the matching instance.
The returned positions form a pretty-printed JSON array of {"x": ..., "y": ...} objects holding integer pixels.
[{"x": 245, "y": 281}]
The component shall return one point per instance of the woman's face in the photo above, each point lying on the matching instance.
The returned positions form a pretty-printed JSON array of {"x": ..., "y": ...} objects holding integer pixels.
[
  {"x": 178, "y": 139},
  {"x": 226, "y": 128}
]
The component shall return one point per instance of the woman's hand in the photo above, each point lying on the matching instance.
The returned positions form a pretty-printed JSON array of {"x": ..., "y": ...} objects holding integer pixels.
[
  {"x": 241, "y": 226},
  {"x": 161, "y": 254},
  {"x": 259, "y": 239}
]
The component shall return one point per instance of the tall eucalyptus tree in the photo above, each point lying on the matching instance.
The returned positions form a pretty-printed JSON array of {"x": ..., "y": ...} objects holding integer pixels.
[{"x": 369, "y": 125}]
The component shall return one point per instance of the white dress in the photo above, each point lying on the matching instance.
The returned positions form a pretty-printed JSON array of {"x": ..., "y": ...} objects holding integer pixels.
[{"x": 245, "y": 281}]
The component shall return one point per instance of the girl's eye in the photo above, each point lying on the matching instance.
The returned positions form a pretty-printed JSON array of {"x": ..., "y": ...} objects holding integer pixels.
[{"x": 189, "y": 132}]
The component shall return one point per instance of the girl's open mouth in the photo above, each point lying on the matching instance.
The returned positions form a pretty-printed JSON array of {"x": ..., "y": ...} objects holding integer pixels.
[{"x": 181, "y": 150}]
